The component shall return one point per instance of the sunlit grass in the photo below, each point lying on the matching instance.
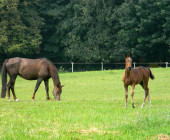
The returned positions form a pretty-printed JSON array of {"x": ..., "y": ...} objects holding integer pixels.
[{"x": 91, "y": 107}]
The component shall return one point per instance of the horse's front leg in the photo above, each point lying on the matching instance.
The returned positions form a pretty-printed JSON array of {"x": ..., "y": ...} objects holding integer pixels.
[
  {"x": 132, "y": 94},
  {"x": 47, "y": 88},
  {"x": 126, "y": 95},
  {"x": 36, "y": 87}
]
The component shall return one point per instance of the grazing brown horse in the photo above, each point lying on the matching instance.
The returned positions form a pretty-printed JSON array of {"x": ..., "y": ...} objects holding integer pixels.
[
  {"x": 30, "y": 69},
  {"x": 134, "y": 76}
]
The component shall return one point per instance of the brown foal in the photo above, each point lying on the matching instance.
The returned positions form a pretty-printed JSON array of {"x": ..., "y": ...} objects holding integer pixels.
[{"x": 134, "y": 76}]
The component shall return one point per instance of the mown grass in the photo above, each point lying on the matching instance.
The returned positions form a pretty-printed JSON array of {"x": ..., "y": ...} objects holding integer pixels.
[{"x": 92, "y": 107}]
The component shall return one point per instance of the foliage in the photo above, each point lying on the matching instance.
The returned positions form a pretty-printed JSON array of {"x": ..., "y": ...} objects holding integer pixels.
[
  {"x": 20, "y": 27},
  {"x": 86, "y": 31},
  {"x": 144, "y": 29}
]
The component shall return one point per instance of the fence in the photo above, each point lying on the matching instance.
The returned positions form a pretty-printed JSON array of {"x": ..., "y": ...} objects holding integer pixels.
[{"x": 77, "y": 67}]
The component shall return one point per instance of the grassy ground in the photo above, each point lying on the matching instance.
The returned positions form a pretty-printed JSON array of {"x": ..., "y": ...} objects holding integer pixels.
[{"x": 92, "y": 107}]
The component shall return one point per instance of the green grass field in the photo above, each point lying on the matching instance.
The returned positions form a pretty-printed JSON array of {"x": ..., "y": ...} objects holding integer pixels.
[{"x": 91, "y": 107}]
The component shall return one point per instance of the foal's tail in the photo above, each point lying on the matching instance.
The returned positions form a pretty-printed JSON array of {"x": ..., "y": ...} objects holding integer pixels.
[
  {"x": 4, "y": 79},
  {"x": 151, "y": 75}
]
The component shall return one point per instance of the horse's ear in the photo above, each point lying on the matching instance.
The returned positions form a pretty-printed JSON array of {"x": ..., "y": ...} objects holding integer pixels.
[
  {"x": 126, "y": 56},
  {"x": 131, "y": 55}
]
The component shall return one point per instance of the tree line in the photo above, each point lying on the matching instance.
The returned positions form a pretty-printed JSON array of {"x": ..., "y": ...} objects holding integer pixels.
[{"x": 86, "y": 30}]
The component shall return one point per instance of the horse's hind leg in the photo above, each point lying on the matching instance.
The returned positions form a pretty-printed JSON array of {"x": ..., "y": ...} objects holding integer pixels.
[
  {"x": 47, "y": 88},
  {"x": 132, "y": 94},
  {"x": 11, "y": 86},
  {"x": 8, "y": 91},
  {"x": 36, "y": 87},
  {"x": 12, "y": 89}
]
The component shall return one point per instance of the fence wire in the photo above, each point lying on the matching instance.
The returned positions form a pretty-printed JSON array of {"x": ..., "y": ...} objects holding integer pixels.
[{"x": 80, "y": 67}]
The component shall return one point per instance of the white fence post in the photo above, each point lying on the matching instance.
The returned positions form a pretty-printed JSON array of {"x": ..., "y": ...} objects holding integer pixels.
[
  {"x": 134, "y": 64},
  {"x": 102, "y": 65},
  {"x": 72, "y": 63},
  {"x": 166, "y": 64}
]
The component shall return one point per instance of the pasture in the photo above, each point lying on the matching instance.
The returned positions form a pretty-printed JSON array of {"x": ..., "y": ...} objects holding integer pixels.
[{"x": 92, "y": 106}]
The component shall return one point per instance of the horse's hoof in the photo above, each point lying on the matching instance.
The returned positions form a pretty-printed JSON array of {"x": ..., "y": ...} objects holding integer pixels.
[
  {"x": 17, "y": 100},
  {"x": 10, "y": 100},
  {"x": 133, "y": 105}
]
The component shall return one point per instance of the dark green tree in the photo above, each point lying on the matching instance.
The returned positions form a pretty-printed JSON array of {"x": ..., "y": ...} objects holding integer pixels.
[
  {"x": 85, "y": 31},
  {"x": 143, "y": 30},
  {"x": 20, "y": 27},
  {"x": 54, "y": 14},
  {"x": 89, "y": 34}
]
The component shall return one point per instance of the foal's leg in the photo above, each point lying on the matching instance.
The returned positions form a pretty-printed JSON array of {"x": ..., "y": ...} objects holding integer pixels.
[
  {"x": 126, "y": 95},
  {"x": 132, "y": 94},
  {"x": 47, "y": 88},
  {"x": 145, "y": 86},
  {"x": 149, "y": 100},
  {"x": 36, "y": 87},
  {"x": 146, "y": 94}
]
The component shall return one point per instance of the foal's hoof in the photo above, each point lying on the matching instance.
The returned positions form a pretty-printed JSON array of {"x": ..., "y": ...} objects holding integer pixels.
[
  {"x": 142, "y": 106},
  {"x": 126, "y": 105},
  {"x": 9, "y": 99},
  {"x": 17, "y": 100}
]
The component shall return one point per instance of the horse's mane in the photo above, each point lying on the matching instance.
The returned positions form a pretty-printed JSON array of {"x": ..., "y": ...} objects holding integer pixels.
[
  {"x": 43, "y": 58},
  {"x": 53, "y": 71}
]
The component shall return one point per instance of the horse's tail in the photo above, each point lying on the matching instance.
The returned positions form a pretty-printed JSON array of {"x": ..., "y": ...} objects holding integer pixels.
[
  {"x": 151, "y": 75},
  {"x": 4, "y": 79}
]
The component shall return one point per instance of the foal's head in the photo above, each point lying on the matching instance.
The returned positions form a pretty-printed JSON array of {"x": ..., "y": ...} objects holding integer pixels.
[
  {"x": 128, "y": 61},
  {"x": 57, "y": 92}
]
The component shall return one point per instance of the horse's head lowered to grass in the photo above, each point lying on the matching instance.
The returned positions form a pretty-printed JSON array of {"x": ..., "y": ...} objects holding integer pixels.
[{"x": 57, "y": 92}]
